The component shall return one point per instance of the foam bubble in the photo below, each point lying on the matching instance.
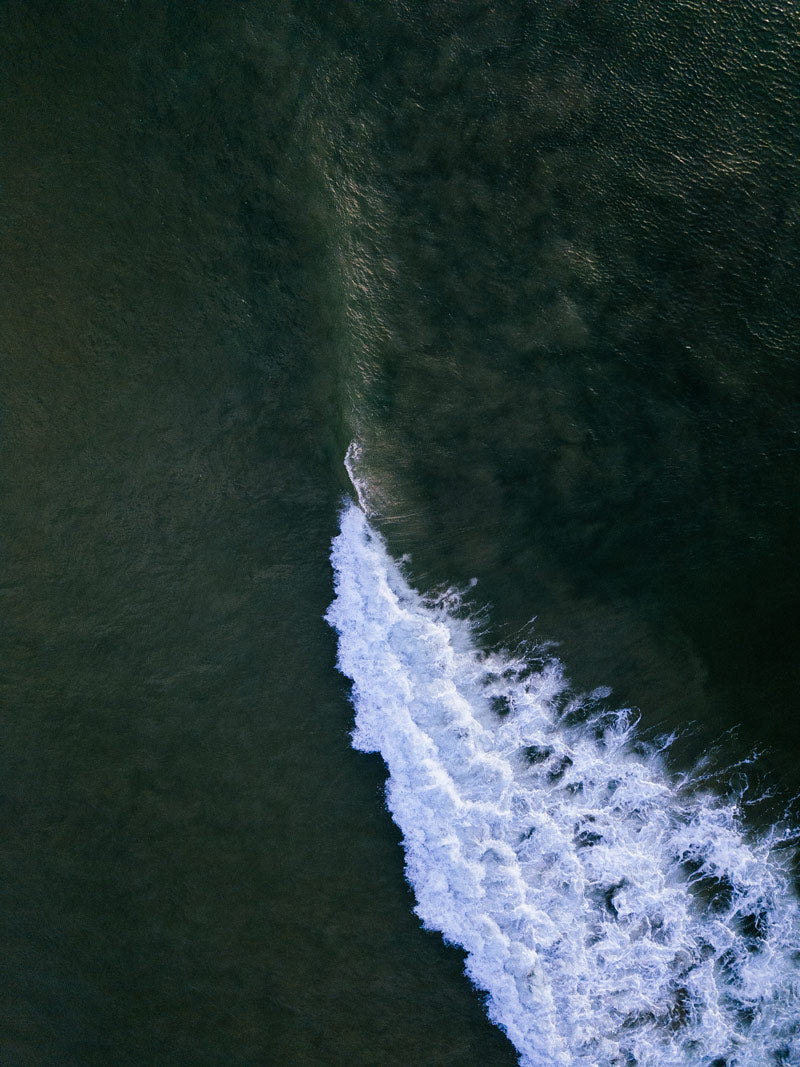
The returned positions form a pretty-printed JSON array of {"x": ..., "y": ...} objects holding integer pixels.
[{"x": 614, "y": 915}]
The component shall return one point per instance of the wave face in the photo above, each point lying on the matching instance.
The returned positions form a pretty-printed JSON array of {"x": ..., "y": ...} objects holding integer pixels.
[{"x": 612, "y": 913}]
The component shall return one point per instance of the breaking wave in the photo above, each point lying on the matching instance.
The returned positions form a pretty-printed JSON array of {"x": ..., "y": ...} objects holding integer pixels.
[{"x": 612, "y": 912}]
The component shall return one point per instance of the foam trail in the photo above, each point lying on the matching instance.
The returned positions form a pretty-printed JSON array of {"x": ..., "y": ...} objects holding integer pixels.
[
  {"x": 613, "y": 915},
  {"x": 353, "y": 461}
]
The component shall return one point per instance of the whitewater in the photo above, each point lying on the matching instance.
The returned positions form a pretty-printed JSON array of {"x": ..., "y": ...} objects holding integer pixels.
[{"x": 612, "y": 912}]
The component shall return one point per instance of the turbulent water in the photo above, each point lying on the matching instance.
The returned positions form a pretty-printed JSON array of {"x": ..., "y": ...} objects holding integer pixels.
[{"x": 613, "y": 913}]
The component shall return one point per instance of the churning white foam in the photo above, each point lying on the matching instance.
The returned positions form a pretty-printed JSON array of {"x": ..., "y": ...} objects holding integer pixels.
[{"x": 612, "y": 913}]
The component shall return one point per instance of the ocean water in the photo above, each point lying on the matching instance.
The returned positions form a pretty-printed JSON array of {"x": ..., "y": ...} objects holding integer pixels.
[{"x": 481, "y": 748}]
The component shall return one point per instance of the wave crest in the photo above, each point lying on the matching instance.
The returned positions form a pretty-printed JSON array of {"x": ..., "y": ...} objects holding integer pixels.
[{"x": 612, "y": 914}]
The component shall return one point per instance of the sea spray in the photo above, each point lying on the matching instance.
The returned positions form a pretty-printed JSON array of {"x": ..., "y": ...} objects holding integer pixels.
[{"x": 612, "y": 913}]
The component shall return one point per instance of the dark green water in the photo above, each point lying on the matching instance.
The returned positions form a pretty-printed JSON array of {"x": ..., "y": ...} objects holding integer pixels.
[{"x": 540, "y": 259}]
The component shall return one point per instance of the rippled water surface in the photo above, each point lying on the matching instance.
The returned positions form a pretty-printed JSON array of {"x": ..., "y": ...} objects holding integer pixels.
[{"x": 539, "y": 261}]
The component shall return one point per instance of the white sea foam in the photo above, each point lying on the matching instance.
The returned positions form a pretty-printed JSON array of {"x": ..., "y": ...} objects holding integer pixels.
[
  {"x": 612, "y": 913},
  {"x": 353, "y": 462}
]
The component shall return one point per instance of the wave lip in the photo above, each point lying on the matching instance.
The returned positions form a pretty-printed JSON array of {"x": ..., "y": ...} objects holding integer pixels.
[{"x": 613, "y": 915}]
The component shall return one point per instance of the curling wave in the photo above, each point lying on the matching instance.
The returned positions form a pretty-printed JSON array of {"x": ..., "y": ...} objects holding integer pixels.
[{"x": 613, "y": 913}]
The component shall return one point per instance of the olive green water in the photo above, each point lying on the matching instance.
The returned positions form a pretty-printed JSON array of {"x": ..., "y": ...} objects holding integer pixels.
[
  {"x": 196, "y": 869},
  {"x": 235, "y": 234}
]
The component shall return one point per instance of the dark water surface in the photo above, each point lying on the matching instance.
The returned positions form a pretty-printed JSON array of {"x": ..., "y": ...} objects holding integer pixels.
[{"x": 541, "y": 260}]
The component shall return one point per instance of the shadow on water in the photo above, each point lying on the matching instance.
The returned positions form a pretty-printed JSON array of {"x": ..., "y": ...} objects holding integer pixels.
[{"x": 575, "y": 371}]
